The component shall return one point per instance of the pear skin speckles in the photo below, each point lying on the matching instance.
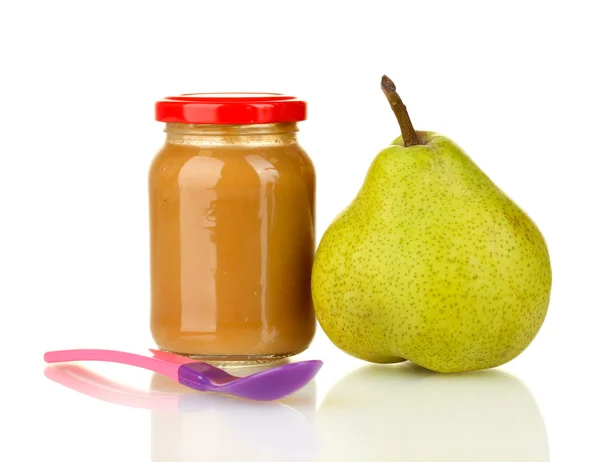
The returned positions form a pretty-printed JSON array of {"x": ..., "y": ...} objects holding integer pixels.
[{"x": 433, "y": 263}]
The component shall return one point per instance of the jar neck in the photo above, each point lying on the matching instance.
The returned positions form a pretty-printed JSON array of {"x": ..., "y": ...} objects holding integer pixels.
[{"x": 247, "y": 134}]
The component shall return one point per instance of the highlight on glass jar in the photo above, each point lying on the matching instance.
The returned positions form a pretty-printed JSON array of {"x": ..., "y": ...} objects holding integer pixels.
[{"x": 232, "y": 233}]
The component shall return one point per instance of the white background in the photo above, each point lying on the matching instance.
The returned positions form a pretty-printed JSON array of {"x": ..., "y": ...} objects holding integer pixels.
[{"x": 516, "y": 84}]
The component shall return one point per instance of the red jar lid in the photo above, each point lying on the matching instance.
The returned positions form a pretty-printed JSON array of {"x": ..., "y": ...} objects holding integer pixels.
[{"x": 230, "y": 108}]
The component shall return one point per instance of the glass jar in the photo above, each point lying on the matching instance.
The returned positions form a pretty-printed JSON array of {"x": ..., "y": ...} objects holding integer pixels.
[{"x": 232, "y": 237}]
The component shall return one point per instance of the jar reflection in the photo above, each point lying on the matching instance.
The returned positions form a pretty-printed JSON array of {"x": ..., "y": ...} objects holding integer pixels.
[{"x": 212, "y": 427}]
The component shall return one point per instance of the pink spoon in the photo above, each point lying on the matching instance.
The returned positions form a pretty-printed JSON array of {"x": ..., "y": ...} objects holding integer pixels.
[{"x": 267, "y": 385}]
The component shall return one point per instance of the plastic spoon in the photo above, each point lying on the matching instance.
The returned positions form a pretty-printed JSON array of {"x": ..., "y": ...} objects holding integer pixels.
[{"x": 267, "y": 385}]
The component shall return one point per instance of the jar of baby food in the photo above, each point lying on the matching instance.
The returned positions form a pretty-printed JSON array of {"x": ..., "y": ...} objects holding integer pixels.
[{"x": 232, "y": 223}]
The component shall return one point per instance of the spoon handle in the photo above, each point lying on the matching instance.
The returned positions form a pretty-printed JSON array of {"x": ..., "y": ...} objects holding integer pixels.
[{"x": 153, "y": 364}]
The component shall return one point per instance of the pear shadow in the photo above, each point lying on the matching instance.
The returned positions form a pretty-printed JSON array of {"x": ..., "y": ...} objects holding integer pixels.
[
  {"x": 189, "y": 425},
  {"x": 409, "y": 413}
]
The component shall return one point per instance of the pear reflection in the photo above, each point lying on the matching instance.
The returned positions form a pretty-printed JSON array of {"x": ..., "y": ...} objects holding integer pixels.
[
  {"x": 408, "y": 413},
  {"x": 212, "y": 427}
]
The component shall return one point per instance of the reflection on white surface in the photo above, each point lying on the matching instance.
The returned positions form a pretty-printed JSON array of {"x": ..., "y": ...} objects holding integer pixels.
[
  {"x": 375, "y": 413},
  {"x": 211, "y": 427},
  {"x": 405, "y": 413},
  {"x": 188, "y": 426}
]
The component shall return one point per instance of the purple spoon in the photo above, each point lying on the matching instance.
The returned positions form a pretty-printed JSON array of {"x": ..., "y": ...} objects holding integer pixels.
[{"x": 267, "y": 385}]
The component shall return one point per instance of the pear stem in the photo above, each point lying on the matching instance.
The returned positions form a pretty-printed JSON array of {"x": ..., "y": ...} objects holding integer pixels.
[{"x": 409, "y": 135}]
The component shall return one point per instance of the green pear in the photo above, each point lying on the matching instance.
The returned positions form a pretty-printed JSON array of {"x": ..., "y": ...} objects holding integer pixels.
[{"x": 431, "y": 262}]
